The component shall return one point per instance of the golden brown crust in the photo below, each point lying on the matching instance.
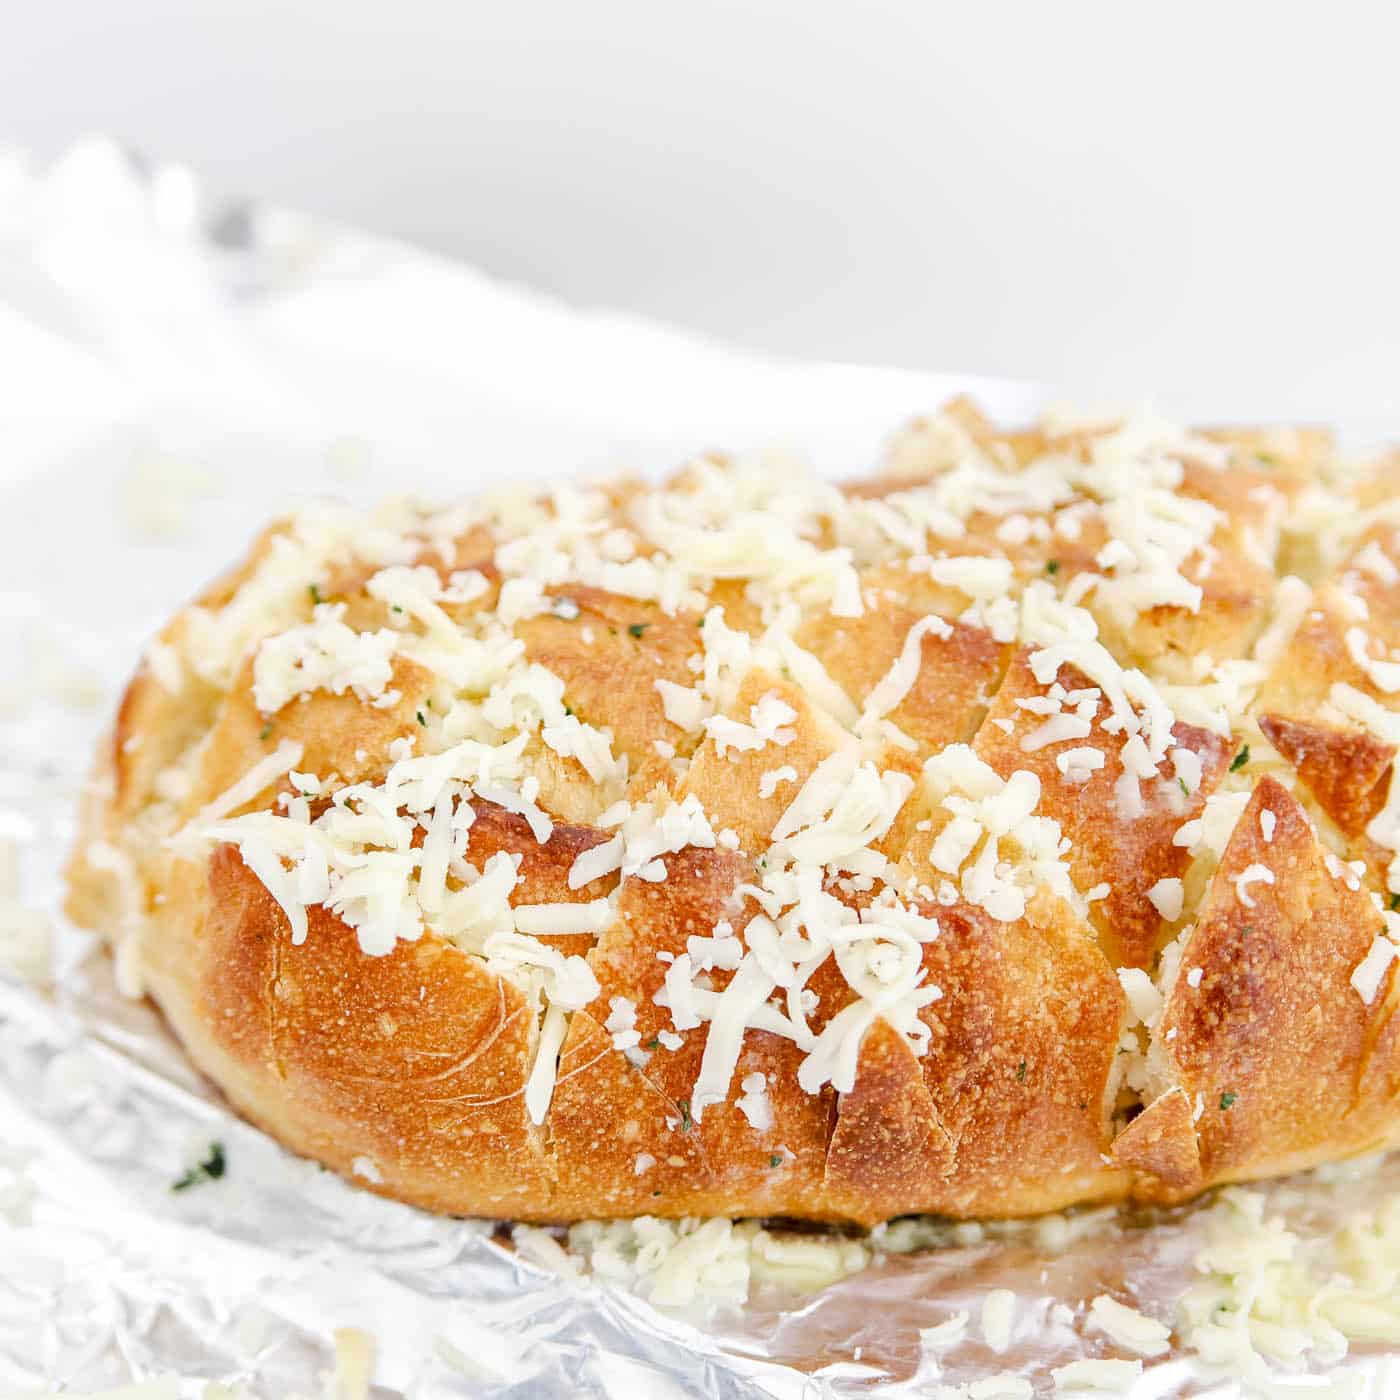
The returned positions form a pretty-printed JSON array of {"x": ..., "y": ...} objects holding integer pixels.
[
  {"x": 956, "y": 676},
  {"x": 1269, "y": 1036},
  {"x": 1127, "y": 854},
  {"x": 1346, "y": 770},
  {"x": 729, "y": 785},
  {"x": 1159, "y": 1146},
  {"x": 609, "y": 658},
  {"x": 1003, "y": 1093},
  {"x": 733, "y": 1161},
  {"x": 424, "y": 1052},
  {"x": 1021, "y": 1058},
  {"x": 620, "y": 1146},
  {"x": 890, "y": 1151}
]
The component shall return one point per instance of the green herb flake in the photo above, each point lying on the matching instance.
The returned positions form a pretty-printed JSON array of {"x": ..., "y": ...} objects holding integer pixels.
[
  {"x": 653, "y": 1044},
  {"x": 1052, "y": 567},
  {"x": 266, "y": 731},
  {"x": 1240, "y": 759},
  {"x": 686, "y": 1120},
  {"x": 1021, "y": 1072},
  {"x": 315, "y": 593},
  {"x": 1394, "y": 902},
  {"x": 775, "y": 1160},
  {"x": 567, "y": 710},
  {"x": 1266, "y": 459},
  {"x": 210, "y": 1169},
  {"x": 419, "y": 717},
  {"x": 1184, "y": 788},
  {"x": 1227, "y": 1101},
  {"x": 636, "y": 629}
]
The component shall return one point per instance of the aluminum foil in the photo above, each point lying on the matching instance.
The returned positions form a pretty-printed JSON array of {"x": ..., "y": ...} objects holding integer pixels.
[{"x": 173, "y": 370}]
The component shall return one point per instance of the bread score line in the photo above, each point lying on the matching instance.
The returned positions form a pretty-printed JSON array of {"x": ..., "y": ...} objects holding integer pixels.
[{"x": 1009, "y": 830}]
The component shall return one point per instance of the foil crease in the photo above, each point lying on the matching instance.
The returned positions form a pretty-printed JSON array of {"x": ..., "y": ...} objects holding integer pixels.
[{"x": 177, "y": 369}]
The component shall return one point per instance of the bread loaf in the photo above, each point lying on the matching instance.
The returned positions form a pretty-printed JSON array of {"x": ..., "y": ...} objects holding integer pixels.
[{"x": 1010, "y": 830}]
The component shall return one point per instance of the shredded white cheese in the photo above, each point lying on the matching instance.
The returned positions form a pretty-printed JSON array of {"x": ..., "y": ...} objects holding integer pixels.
[
  {"x": 998, "y": 1315},
  {"x": 1367, "y": 975},
  {"x": 1128, "y": 1328},
  {"x": 897, "y": 682},
  {"x": 323, "y": 654},
  {"x": 1168, "y": 898}
]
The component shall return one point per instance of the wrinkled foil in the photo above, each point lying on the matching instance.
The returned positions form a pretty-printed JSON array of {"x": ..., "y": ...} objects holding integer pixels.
[{"x": 173, "y": 371}]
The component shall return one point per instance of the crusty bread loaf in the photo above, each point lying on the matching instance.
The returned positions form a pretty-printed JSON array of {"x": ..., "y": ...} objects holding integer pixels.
[{"x": 1011, "y": 830}]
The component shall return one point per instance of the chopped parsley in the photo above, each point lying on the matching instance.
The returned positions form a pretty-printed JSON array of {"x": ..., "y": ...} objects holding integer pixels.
[
  {"x": 419, "y": 716},
  {"x": 267, "y": 730},
  {"x": 1052, "y": 567},
  {"x": 1266, "y": 459},
  {"x": 1395, "y": 901},
  {"x": 1240, "y": 759},
  {"x": 210, "y": 1169},
  {"x": 686, "y": 1121},
  {"x": 1021, "y": 1072},
  {"x": 636, "y": 629},
  {"x": 315, "y": 592},
  {"x": 775, "y": 1160},
  {"x": 567, "y": 710},
  {"x": 653, "y": 1044},
  {"x": 1226, "y": 1101},
  {"x": 1184, "y": 788}
]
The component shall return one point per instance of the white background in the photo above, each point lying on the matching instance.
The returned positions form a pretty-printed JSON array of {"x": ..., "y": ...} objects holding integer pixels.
[{"x": 1195, "y": 204}]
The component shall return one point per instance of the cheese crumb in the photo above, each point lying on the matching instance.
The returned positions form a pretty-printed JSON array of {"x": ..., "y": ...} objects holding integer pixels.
[
  {"x": 944, "y": 1334},
  {"x": 1251, "y": 875},
  {"x": 1128, "y": 1328},
  {"x": 1368, "y": 974},
  {"x": 1108, "y": 1376},
  {"x": 1079, "y": 765},
  {"x": 770, "y": 781},
  {"x": 367, "y": 1168},
  {"x": 998, "y": 1316},
  {"x": 1168, "y": 898}
]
